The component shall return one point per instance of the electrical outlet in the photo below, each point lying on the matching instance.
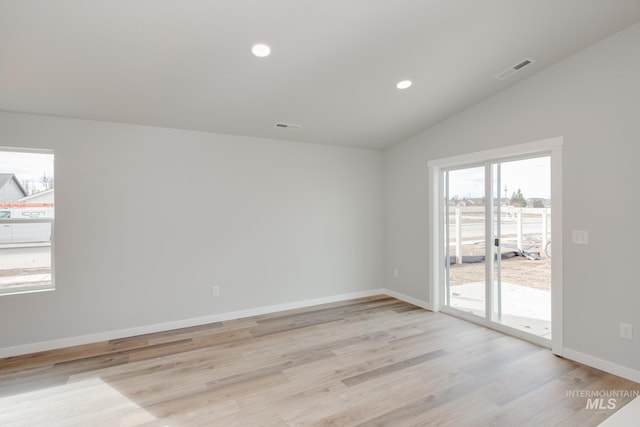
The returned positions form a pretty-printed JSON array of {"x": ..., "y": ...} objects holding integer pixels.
[
  {"x": 216, "y": 291},
  {"x": 396, "y": 272},
  {"x": 626, "y": 331}
]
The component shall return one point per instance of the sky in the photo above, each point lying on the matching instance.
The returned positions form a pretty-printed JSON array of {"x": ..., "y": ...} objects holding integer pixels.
[
  {"x": 26, "y": 166},
  {"x": 531, "y": 176}
]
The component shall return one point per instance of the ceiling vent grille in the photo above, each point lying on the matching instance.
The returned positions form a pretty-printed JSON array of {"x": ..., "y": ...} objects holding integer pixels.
[
  {"x": 291, "y": 126},
  {"x": 514, "y": 69}
]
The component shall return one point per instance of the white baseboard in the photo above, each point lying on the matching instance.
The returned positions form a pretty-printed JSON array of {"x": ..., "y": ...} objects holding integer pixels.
[
  {"x": 585, "y": 359},
  {"x": 603, "y": 365},
  {"x": 406, "y": 298},
  {"x": 167, "y": 326}
]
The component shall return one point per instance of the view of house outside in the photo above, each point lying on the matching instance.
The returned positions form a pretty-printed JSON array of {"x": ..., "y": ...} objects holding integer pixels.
[{"x": 26, "y": 220}]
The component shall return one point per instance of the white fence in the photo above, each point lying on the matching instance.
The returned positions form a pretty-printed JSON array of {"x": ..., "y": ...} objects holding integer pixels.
[{"x": 513, "y": 222}]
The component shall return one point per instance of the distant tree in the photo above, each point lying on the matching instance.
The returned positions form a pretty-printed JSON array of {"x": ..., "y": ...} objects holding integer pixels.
[
  {"x": 517, "y": 199},
  {"x": 47, "y": 182},
  {"x": 537, "y": 203},
  {"x": 27, "y": 186}
]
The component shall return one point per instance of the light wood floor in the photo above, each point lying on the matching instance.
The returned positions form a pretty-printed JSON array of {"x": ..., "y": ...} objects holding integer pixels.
[{"x": 373, "y": 361}]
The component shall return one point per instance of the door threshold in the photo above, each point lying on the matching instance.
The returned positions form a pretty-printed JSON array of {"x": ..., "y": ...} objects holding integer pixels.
[{"x": 498, "y": 327}]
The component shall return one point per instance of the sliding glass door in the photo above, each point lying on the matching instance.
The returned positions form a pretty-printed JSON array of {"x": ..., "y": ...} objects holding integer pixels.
[{"x": 497, "y": 241}]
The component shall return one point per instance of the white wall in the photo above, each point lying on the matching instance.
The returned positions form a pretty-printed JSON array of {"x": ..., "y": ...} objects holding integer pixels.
[
  {"x": 592, "y": 100},
  {"x": 149, "y": 219}
]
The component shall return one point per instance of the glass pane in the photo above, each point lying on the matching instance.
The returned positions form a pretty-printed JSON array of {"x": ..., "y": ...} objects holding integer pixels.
[
  {"x": 466, "y": 245},
  {"x": 525, "y": 268},
  {"x": 26, "y": 218}
]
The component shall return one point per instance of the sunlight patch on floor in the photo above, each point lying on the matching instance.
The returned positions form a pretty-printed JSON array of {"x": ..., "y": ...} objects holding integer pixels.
[{"x": 90, "y": 402}]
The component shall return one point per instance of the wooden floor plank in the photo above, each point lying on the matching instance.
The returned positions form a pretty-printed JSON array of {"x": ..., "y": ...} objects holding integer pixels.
[
  {"x": 397, "y": 366},
  {"x": 370, "y": 361}
]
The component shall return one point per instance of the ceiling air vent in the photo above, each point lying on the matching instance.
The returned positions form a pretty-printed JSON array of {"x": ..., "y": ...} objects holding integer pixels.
[
  {"x": 287, "y": 126},
  {"x": 512, "y": 70}
]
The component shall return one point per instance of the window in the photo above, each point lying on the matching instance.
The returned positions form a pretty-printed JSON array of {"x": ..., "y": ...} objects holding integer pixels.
[{"x": 26, "y": 220}]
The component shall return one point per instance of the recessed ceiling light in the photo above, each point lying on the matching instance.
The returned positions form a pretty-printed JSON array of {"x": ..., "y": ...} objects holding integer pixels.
[
  {"x": 404, "y": 84},
  {"x": 261, "y": 50}
]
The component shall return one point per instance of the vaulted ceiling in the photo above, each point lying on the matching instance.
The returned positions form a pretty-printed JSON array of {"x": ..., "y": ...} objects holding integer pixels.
[{"x": 333, "y": 67}]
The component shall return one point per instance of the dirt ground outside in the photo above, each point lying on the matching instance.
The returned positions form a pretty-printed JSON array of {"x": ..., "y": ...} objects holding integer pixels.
[
  {"x": 23, "y": 278},
  {"x": 517, "y": 270},
  {"x": 24, "y": 271},
  {"x": 23, "y": 265}
]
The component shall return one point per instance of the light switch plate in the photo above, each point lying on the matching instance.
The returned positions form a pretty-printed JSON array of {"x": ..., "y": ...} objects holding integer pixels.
[{"x": 580, "y": 237}]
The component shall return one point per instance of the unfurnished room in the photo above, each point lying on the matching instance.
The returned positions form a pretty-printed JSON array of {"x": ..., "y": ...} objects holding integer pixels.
[{"x": 315, "y": 213}]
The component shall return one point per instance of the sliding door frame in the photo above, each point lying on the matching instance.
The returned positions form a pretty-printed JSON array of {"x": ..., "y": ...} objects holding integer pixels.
[{"x": 437, "y": 286}]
